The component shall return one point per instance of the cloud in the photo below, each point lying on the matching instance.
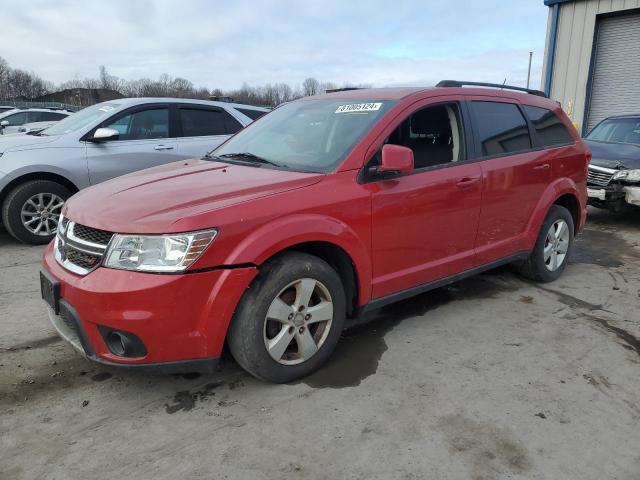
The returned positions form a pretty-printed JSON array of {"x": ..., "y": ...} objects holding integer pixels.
[{"x": 223, "y": 44}]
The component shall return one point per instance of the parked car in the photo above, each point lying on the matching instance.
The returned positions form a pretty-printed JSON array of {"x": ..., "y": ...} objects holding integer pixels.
[
  {"x": 12, "y": 120},
  {"x": 31, "y": 128},
  {"x": 327, "y": 208},
  {"x": 35, "y": 127},
  {"x": 39, "y": 172},
  {"x": 4, "y": 108},
  {"x": 614, "y": 171}
]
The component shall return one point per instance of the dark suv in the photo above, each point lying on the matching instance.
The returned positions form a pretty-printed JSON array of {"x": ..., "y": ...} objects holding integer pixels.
[
  {"x": 326, "y": 208},
  {"x": 614, "y": 171}
]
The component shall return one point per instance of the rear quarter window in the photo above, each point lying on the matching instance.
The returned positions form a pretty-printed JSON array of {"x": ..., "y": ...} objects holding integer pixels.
[{"x": 550, "y": 131}]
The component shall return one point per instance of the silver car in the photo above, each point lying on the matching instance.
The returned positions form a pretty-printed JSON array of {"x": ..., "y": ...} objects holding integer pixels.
[
  {"x": 12, "y": 120},
  {"x": 39, "y": 172}
]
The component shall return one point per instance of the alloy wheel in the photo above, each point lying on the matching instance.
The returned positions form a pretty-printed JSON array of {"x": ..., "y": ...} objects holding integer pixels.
[
  {"x": 298, "y": 321},
  {"x": 40, "y": 213},
  {"x": 556, "y": 245}
]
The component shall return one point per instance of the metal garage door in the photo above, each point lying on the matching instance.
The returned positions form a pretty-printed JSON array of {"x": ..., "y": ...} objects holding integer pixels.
[{"x": 616, "y": 76}]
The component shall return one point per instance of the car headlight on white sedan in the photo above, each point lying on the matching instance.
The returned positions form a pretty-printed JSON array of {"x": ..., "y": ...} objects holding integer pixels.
[
  {"x": 628, "y": 175},
  {"x": 157, "y": 253}
]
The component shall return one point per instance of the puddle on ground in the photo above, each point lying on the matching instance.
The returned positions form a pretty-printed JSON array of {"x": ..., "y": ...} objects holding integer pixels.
[
  {"x": 185, "y": 400},
  {"x": 101, "y": 377},
  {"x": 598, "y": 247},
  {"x": 360, "y": 348}
]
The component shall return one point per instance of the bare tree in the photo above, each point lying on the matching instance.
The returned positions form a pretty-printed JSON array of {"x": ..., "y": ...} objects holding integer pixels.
[
  {"x": 310, "y": 86},
  {"x": 15, "y": 83}
]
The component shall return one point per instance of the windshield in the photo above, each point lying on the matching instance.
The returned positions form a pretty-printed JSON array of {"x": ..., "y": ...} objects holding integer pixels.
[
  {"x": 307, "y": 135},
  {"x": 617, "y": 130},
  {"x": 81, "y": 119}
]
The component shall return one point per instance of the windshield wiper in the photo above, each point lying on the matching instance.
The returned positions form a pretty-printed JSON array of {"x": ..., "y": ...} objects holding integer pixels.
[{"x": 250, "y": 158}]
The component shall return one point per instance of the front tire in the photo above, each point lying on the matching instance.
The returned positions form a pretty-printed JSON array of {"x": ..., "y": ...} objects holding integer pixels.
[
  {"x": 31, "y": 210},
  {"x": 289, "y": 320},
  {"x": 553, "y": 247}
]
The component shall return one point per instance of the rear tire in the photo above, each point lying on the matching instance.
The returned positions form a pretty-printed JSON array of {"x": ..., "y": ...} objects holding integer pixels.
[
  {"x": 276, "y": 333},
  {"x": 30, "y": 211},
  {"x": 553, "y": 247}
]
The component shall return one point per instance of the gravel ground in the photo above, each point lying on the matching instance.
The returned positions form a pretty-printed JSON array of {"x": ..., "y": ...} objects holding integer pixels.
[{"x": 493, "y": 377}]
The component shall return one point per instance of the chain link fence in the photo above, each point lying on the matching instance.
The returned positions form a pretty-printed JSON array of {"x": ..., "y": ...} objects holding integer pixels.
[{"x": 54, "y": 105}]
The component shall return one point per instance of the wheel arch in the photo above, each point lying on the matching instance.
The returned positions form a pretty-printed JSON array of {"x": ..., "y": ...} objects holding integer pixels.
[
  {"x": 571, "y": 203},
  {"x": 340, "y": 261},
  {"x": 54, "y": 177},
  {"x": 563, "y": 192},
  {"x": 325, "y": 237}
]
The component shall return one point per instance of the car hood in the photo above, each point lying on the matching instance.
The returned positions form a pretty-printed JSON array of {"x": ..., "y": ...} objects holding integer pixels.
[
  {"x": 614, "y": 155},
  {"x": 160, "y": 199},
  {"x": 13, "y": 143}
]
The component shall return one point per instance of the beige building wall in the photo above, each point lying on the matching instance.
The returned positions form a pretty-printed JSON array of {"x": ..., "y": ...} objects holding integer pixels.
[{"x": 574, "y": 41}]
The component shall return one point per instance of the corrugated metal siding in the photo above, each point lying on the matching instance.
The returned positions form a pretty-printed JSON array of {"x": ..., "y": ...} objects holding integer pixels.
[
  {"x": 576, "y": 24},
  {"x": 616, "y": 74}
]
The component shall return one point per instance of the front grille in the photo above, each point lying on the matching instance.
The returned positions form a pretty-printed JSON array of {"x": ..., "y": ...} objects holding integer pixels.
[
  {"x": 82, "y": 259},
  {"x": 92, "y": 234},
  {"x": 599, "y": 176},
  {"x": 79, "y": 248}
]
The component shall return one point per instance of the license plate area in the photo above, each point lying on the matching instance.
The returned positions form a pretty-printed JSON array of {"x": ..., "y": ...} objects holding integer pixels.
[
  {"x": 599, "y": 193},
  {"x": 50, "y": 291}
]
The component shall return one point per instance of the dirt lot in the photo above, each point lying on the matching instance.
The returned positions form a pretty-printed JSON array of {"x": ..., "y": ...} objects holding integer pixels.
[{"x": 490, "y": 378}]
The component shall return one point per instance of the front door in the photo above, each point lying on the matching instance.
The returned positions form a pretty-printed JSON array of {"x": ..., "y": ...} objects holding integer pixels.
[
  {"x": 144, "y": 142},
  {"x": 424, "y": 223}
]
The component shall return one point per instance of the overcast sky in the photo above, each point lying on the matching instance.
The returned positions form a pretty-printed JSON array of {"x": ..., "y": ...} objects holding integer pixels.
[{"x": 223, "y": 44}]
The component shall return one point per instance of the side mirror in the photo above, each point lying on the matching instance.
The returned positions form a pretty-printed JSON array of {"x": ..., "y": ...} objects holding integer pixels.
[
  {"x": 105, "y": 134},
  {"x": 4, "y": 123},
  {"x": 396, "y": 160}
]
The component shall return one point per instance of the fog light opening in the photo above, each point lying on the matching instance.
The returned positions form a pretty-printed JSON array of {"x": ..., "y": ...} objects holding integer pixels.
[
  {"x": 119, "y": 344},
  {"x": 122, "y": 344}
]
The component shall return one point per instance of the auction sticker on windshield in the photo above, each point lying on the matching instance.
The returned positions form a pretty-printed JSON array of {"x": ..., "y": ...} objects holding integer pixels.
[{"x": 358, "y": 107}]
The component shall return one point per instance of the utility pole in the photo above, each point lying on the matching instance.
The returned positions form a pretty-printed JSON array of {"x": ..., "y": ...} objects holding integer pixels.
[{"x": 529, "y": 72}]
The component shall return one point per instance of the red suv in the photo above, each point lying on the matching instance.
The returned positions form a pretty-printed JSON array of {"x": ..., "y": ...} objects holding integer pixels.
[{"x": 325, "y": 208}]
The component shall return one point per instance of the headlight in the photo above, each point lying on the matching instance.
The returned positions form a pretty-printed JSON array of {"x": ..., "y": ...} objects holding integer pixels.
[
  {"x": 628, "y": 175},
  {"x": 157, "y": 253}
]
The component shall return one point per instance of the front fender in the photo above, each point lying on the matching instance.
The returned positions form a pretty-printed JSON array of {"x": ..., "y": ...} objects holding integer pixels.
[
  {"x": 286, "y": 232},
  {"x": 555, "y": 190}
]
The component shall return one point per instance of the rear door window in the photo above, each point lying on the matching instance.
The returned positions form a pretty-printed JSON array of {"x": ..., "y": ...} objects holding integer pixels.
[
  {"x": 550, "y": 131},
  {"x": 51, "y": 116},
  {"x": 200, "y": 122},
  {"x": 501, "y": 128}
]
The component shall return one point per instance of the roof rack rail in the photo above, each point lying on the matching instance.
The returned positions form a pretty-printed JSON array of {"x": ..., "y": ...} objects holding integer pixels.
[
  {"x": 343, "y": 89},
  {"x": 456, "y": 83}
]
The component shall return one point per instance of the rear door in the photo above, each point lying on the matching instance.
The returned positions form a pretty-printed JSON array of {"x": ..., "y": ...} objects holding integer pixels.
[
  {"x": 202, "y": 128},
  {"x": 424, "y": 223},
  {"x": 514, "y": 176},
  {"x": 145, "y": 140}
]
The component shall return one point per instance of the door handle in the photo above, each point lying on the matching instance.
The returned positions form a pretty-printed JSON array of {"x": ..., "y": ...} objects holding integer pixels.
[
  {"x": 542, "y": 166},
  {"x": 467, "y": 182},
  {"x": 163, "y": 147}
]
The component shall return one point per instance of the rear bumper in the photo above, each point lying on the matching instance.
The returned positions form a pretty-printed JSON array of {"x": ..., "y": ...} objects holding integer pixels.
[{"x": 182, "y": 320}]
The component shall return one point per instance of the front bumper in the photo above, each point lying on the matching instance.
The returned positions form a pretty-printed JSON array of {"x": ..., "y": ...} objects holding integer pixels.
[
  {"x": 614, "y": 194},
  {"x": 179, "y": 318}
]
